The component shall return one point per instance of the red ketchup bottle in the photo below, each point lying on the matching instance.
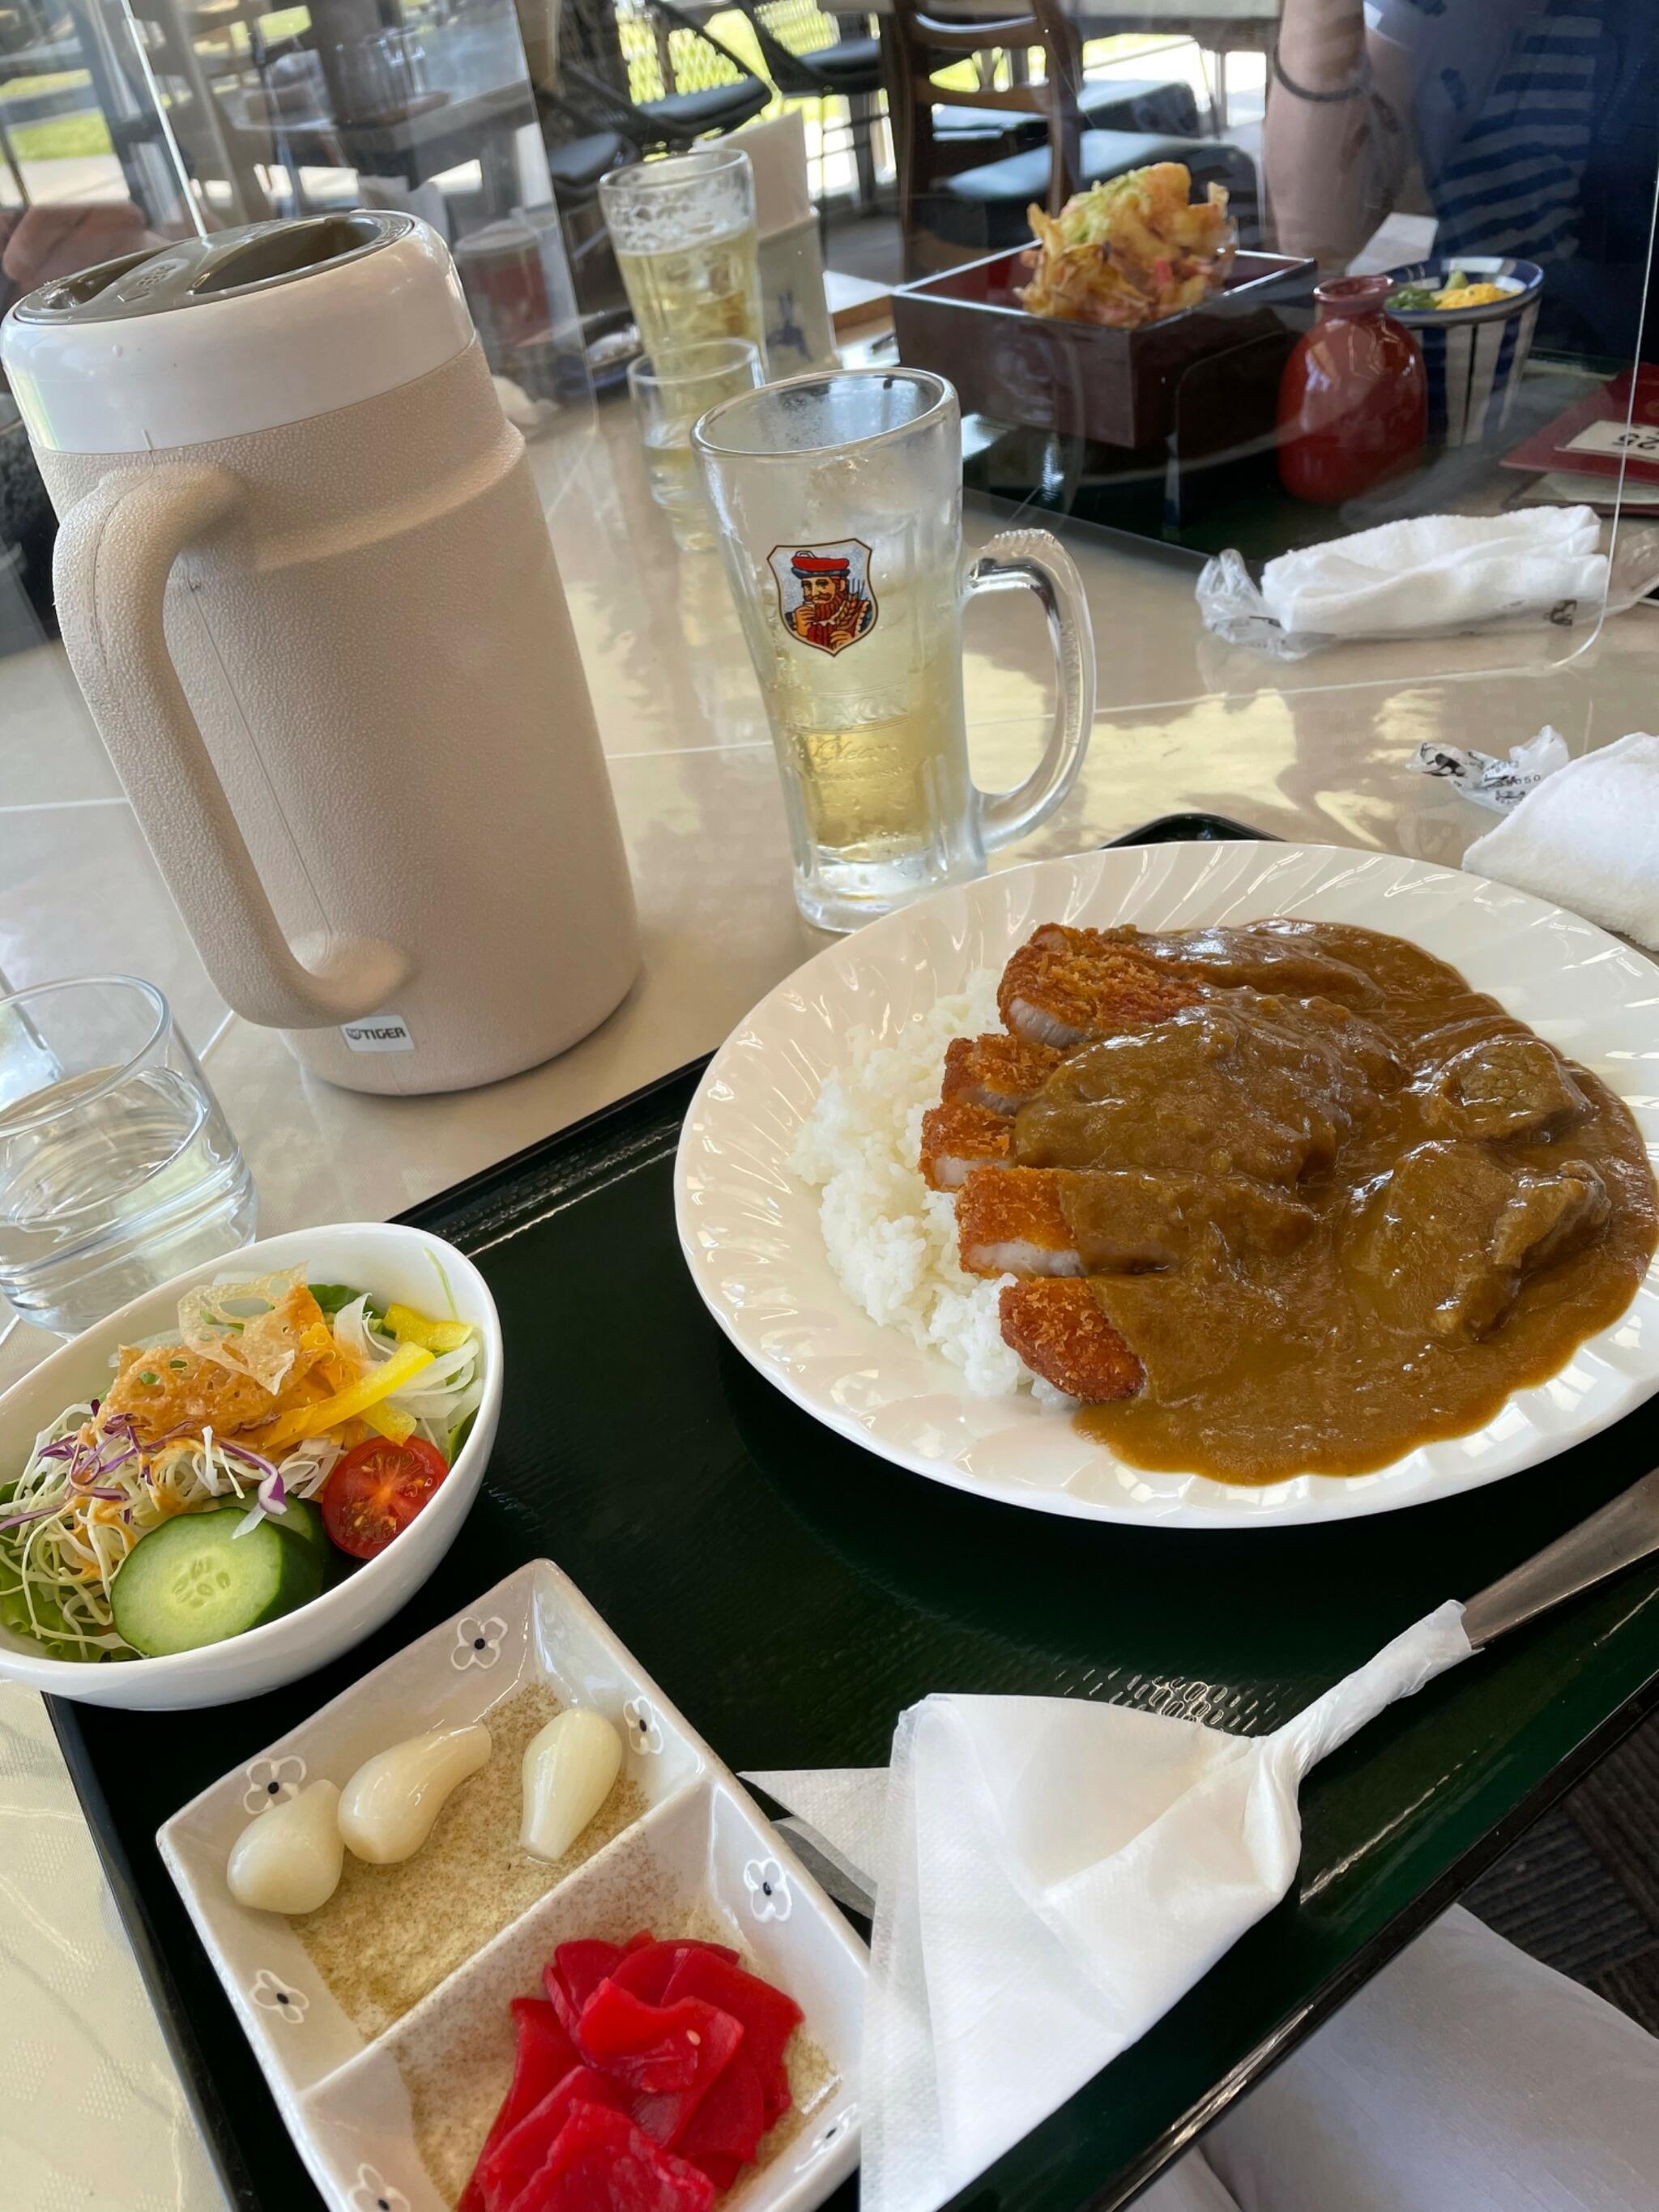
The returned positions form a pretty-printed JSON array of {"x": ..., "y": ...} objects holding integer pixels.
[{"x": 1353, "y": 401}]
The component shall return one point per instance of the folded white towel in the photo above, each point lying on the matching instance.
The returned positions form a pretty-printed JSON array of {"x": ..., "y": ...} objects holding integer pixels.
[
  {"x": 1588, "y": 838},
  {"x": 1439, "y": 572},
  {"x": 1052, "y": 1874}
]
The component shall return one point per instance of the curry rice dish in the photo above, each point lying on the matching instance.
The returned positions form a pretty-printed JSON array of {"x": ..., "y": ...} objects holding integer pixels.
[{"x": 1283, "y": 1199}]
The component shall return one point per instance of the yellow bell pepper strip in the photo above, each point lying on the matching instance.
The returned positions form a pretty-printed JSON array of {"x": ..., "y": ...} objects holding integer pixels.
[
  {"x": 386, "y": 1421},
  {"x": 411, "y": 1328},
  {"x": 405, "y": 1363}
]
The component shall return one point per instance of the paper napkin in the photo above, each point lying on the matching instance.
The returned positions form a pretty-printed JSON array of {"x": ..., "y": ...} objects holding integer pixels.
[
  {"x": 1439, "y": 572},
  {"x": 1434, "y": 575},
  {"x": 1052, "y": 1874},
  {"x": 1588, "y": 838}
]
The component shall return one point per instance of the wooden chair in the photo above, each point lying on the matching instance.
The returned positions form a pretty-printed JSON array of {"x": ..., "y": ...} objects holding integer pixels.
[{"x": 949, "y": 218}]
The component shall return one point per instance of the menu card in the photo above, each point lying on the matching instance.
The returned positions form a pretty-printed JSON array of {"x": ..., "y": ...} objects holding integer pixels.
[{"x": 1601, "y": 433}]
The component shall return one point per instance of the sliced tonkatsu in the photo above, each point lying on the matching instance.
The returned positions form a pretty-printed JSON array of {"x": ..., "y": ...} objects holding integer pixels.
[
  {"x": 957, "y": 1138},
  {"x": 1061, "y": 1332},
  {"x": 998, "y": 1072},
  {"x": 1288, "y": 1196},
  {"x": 1012, "y": 1221},
  {"x": 1066, "y": 986},
  {"x": 1050, "y": 1225},
  {"x": 1117, "y": 1221}
]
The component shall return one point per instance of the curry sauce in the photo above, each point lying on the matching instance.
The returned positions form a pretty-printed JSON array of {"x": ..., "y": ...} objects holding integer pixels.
[{"x": 1341, "y": 1205}]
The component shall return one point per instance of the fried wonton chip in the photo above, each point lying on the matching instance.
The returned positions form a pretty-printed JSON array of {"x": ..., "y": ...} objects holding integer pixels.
[{"x": 258, "y": 1328}]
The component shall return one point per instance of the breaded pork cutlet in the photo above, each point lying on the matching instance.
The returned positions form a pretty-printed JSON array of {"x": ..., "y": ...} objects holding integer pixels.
[
  {"x": 1010, "y": 1221},
  {"x": 998, "y": 1072},
  {"x": 1064, "y": 987},
  {"x": 1115, "y": 1221},
  {"x": 1059, "y": 989},
  {"x": 957, "y": 1138},
  {"x": 1061, "y": 1334}
]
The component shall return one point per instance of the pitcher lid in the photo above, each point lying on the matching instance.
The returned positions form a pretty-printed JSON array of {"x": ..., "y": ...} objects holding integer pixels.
[
  {"x": 204, "y": 338},
  {"x": 225, "y": 265}
]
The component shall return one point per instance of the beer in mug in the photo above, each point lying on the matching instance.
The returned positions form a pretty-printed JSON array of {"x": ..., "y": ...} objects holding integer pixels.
[{"x": 838, "y": 499}]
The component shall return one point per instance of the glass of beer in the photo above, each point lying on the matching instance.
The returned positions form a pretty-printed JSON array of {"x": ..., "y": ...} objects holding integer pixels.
[
  {"x": 839, "y": 502},
  {"x": 670, "y": 390},
  {"x": 682, "y": 230}
]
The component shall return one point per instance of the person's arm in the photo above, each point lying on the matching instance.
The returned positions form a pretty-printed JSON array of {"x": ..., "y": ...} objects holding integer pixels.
[
  {"x": 1336, "y": 145},
  {"x": 60, "y": 239}
]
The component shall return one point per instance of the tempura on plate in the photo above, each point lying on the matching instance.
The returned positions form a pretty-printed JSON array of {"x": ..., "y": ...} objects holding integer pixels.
[{"x": 1131, "y": 251}]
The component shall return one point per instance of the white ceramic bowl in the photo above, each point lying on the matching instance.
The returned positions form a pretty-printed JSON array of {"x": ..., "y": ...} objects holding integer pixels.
[{"x": 393, "y": 1262}]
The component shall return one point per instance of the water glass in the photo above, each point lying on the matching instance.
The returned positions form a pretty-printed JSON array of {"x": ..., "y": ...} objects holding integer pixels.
[
  {"x": 683, "y": 230},
  {"x": 116, "y": 1168},
  {"x": 382, "y": 77},
  {"x": 670, "y": 390},
  {"x": 838, "y": 499}
]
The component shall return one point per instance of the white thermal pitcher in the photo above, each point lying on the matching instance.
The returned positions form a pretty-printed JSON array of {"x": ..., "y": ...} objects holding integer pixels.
[{"x": 306, "y": 586}]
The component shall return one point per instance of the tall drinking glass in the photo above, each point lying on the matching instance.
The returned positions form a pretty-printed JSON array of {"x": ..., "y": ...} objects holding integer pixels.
[
  {"x": 670, "y": 390},
  {"x": 117, "y": 1169},
  {"x": 839, "y": 499},
  {"x": 684, "y": 232}
]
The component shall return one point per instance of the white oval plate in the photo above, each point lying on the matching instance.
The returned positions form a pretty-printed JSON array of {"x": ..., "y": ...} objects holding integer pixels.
[{"x": 749, "y": 1230}]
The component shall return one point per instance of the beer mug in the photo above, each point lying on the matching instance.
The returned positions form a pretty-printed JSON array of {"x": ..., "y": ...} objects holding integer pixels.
[
  {"x": 683, "y": 230},
  {"x": 839, "y": 501}
]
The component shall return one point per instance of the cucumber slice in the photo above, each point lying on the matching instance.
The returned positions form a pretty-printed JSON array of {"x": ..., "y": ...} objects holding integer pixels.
[
  {"x": 300, "y": 1519},
  {"x": 193, "y": 1581},
  {"x": 300, "y": 1522}
]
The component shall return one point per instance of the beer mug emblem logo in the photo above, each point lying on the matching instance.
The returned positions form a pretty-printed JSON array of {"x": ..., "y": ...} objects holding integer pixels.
[{"x": 823, "y": 592}]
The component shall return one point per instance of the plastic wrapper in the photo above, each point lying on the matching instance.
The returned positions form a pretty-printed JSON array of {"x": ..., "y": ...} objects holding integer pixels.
[{"x": 1498, "y": 785}]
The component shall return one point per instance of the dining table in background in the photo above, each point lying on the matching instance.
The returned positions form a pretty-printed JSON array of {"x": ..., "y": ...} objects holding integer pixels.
[{"x": 1317, "y": 751}]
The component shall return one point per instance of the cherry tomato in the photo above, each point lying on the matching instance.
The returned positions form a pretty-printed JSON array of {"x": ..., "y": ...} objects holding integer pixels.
[{"x": 377, "y": 1490}]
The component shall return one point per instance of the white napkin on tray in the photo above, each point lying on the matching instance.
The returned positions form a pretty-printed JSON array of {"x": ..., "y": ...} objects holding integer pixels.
[
  {"x": 1586, "y": 838},
  {"x": 1052, "y": 1874},
  {"x": 1439, "y": 572}
]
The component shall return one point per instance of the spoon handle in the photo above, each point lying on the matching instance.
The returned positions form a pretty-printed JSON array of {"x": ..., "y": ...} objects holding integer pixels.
[{"x": 1623, "y": 1532}]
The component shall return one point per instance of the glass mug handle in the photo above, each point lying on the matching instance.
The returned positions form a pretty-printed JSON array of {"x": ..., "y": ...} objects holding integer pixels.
[{"x": 1035, "y": 561}]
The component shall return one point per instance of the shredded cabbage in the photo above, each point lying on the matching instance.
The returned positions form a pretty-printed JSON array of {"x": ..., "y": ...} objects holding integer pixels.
[{"x": 72, "y": 1519}]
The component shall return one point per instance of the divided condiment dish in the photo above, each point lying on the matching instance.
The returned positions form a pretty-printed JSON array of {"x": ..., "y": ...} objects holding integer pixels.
[{"x": 386, "y": 2065}]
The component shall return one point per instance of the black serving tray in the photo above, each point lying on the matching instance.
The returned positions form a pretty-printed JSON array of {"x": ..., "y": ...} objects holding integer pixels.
[{"x": 793, "y": 1594}]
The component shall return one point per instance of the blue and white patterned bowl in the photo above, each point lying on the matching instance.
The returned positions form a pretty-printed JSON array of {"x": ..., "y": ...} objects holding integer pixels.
[{"x": 1473, "y": 356}]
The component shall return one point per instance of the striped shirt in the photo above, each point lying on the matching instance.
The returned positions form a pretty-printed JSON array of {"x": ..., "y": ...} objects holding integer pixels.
[{"x": 1502, "y": 118}]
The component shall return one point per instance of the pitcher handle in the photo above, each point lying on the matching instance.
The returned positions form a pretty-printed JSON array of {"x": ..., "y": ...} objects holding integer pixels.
[
  {"x": 1035, "y": 561},
  {"x": 116, "y": 548}
]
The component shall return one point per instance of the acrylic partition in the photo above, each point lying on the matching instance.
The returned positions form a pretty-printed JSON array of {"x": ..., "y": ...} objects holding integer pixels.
[
  {"x": 129, "y": 122},
  {"x": 1382, "y": 157}
]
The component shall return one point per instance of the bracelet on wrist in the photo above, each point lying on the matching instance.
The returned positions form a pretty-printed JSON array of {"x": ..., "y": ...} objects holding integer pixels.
[{"x": 1354, "y": 90}]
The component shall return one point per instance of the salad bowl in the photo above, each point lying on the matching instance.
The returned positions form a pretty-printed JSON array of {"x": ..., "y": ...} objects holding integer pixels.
[{"x": 393, "y": 1263}]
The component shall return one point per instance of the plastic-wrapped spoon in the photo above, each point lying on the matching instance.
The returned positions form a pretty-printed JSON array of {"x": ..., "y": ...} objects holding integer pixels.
[
  {"x": 570, "y": 1768},
  {"x": 387, "y": 1808}
]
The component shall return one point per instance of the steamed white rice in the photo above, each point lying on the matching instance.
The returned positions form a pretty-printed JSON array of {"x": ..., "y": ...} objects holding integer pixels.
[{"x": 891, "y": 1241}]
